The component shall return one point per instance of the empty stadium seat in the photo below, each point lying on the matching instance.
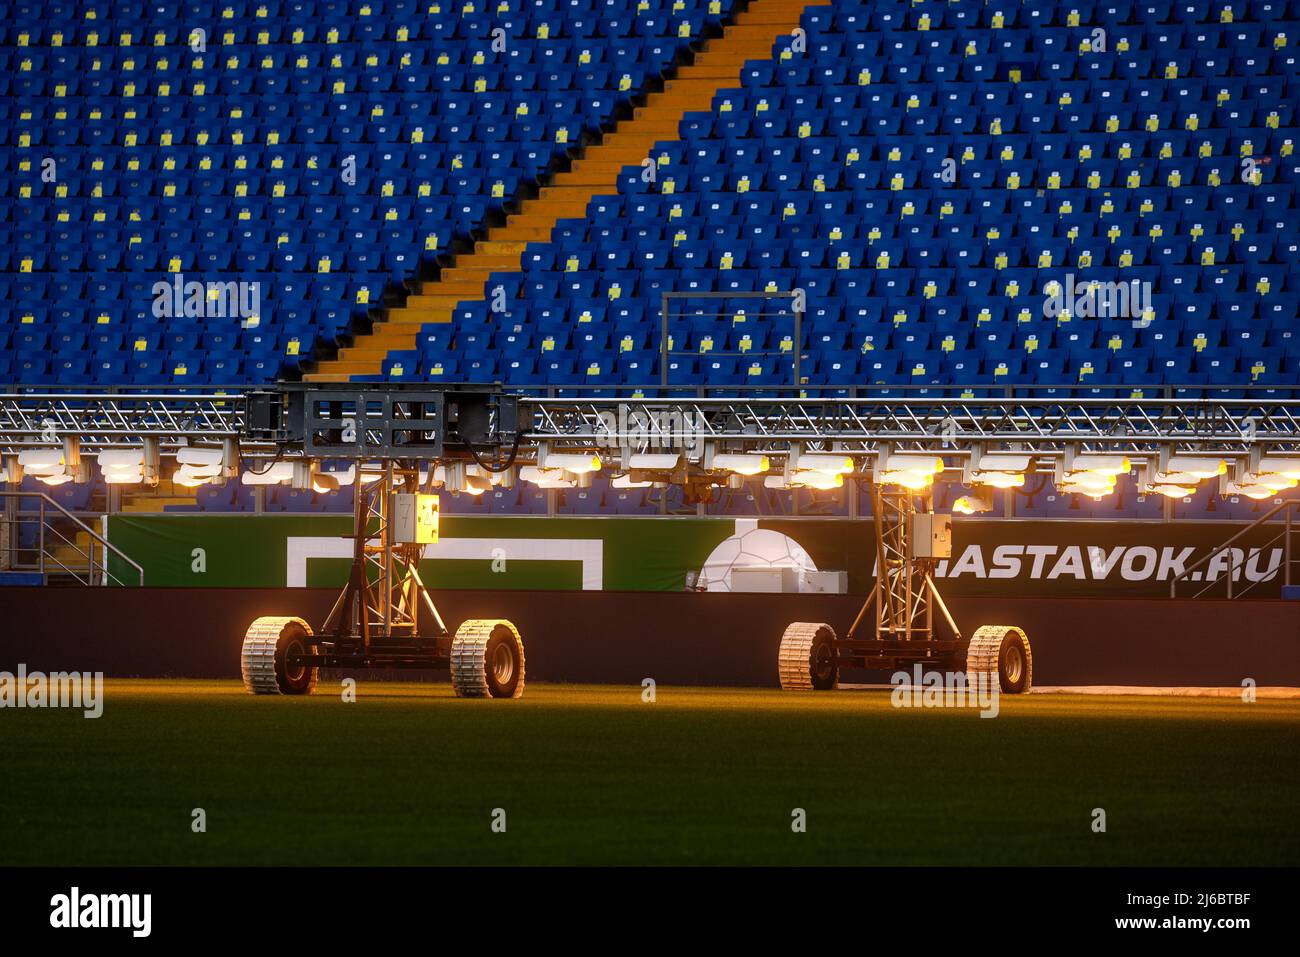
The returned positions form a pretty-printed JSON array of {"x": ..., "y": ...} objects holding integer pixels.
[
  {"x": 293, "y": 159},
  {"x": 928, "y": 173}
]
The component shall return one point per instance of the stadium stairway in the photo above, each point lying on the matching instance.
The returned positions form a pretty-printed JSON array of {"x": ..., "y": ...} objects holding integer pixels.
[{"x": 717, "y": 67}]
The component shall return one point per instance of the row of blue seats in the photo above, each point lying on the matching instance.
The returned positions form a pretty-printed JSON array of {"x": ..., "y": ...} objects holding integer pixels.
[
  {"x": 994, "y": 69},
  {"x": 390, "y": 191},
  {"x": 1230, "y": 261},
  {"x": 120, "y": 292},
  {"x": 195, "y": 369},
  {"x": 617, "y": 285},
  {"x": 979, "y": 41},
  {"x": 703, "y": 262},
  {"x": 889, "y": 121},
  {"x": 1220, "y": 94},
  {"x": 898, "y": 16},
  {"x": 1055, "y": 173},
  {"x": 864, "y": 276},
  {"x": 640, "y": 369},
  {"x": 919, "y": 243},
  {"x": 919, "y": 354},
  {"x": 760, "y": 228},
  {"x": 763, "y": 217},
  {"x": 1249, "y": 337},
  {"x": 521, "y": 27},
  {"x": 1231, "y": 195},
  {"x": 371, "y": 163},
  {"x": 527, "y": 90},
  {"x": 1080, "y": 38},
  {"x": 885, "y": 206},
  {"x": 1037, "y": 15},
  {"x": 131, "y": 122},
  {"x": 846, "y": 151},
  {"x": 234, "y": 72},
  {"x": 951, "y": 252},
  {"x": 1239, "y": 59},
  {"x": 883, "y": 15}
]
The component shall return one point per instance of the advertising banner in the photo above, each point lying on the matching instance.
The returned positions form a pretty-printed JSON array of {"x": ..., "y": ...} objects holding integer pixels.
[{"x": 990, "y": 556}]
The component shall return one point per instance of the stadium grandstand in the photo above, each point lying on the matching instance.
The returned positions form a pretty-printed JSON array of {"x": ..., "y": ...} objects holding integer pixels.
[{"x": 666, "y": 197}]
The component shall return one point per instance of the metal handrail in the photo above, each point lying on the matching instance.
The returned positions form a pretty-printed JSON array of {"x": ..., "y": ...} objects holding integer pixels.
[
  {"x": 664, "y": 338},
  {"x": 89, "y": 555},
  {"x": 1289, "y": 506}
]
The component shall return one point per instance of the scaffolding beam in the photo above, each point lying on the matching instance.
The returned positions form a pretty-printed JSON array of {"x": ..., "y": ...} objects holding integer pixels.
[{"x": 381, "y": 420}]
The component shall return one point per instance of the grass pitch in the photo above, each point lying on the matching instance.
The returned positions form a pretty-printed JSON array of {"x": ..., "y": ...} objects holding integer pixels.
[{"x": 409, "y": 774}]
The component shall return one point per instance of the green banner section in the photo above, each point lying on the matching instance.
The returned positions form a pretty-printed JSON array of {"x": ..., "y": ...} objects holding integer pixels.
[
  {"x": 473, "y": 552},
  {"x": 989, "y": 557}
]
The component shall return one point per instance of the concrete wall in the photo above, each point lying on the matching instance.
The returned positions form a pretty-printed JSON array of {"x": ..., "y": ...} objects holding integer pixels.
[{"x": 675, "y": 638}]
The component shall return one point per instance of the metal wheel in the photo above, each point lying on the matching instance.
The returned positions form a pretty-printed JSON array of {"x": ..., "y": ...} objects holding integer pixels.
[
  {"x": 487, "y": 659},
  {"x": 1002, "y": 651},
  {"x": 268, "y": 660},
  {"x": 806, "y": 660},
  {"x": 503, "y": 664}
]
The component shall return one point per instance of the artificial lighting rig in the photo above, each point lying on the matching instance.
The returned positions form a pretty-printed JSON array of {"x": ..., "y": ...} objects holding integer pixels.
[
  {"x": 403, "y": 442},
  {"x": 392, "y": 437}
]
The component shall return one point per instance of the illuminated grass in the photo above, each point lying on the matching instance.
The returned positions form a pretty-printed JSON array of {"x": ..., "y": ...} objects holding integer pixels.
[{"x": 409, "y": 775}]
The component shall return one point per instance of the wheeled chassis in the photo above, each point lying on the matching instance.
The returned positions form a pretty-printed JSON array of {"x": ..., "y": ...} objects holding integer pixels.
[
  {"x": 376, "y": 620},
  {"x": 904, "y": 608},
  {"x": 904, "y": 595}
]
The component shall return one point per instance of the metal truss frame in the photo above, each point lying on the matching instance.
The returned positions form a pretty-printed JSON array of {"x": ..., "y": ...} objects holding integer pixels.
[
  {"x": 1030, "y": 422},
  {"x": 1041, "y": 421},
  {"x": 112, "y": 419},
  {"x": 904, "y": 594},
  {"x": 376, "y": 616}
]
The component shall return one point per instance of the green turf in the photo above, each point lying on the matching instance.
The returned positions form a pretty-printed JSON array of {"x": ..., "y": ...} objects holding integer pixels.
[{"x": 410, "y": 775}]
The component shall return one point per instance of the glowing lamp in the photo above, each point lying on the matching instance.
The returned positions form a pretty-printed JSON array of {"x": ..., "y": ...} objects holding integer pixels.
[
  {"x": 825, "y": 463},
  {"x": 1092, "y": 484},
  {"x": 576, "y": 463},
  {"x": 1204, "y": 468},
  {"x": 907, "y": 479},
  {"x": 998, "y": 479},
  {"x": 812, "y": 478},
  {"x": 346, "y": 477},
  {"x": 1098, "y": 464},
  {"x": 1176, "y": 478},
  {"x": 1256, "y": 492},
  {"x": 1277, "y": 465},
  {"x": 192, "y": 476},
  {"x": 1277, "y": 483},
  {"x": 1170, "y": 491},
  {"x": 547, "y": 478},
  {"x": 747, "y": 464},
  {"x": 323, "y": 482},
  {"x": 476, "y": 485},
  {"x": 200, "y": 459},
  {"x": 37, "y": 461},
  {"x": 649, "y": 461},
  {"x": 920, "y": 464}
]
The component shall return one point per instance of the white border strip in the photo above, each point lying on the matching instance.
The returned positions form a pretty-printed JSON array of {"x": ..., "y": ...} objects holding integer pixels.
[{"x": 589, "y": 551}]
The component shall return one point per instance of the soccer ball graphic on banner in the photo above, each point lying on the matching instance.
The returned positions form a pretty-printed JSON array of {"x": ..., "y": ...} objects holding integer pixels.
[{"x": 752, "y": 547}]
